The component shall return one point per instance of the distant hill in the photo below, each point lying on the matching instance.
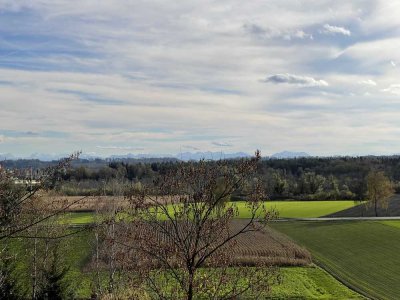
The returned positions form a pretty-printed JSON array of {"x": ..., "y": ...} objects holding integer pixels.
[
  {"x": 140, "y": 156},
  {"x": 289, "y": 154},
  {"x": 186, "y": 156},
  {"x": 38, "y": 160}
]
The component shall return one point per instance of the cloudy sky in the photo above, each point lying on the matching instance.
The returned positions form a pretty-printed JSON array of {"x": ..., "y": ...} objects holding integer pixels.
[{"x": 114, "y": 77}]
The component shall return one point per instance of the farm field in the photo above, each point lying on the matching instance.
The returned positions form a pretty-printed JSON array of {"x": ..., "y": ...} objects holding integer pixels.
[
  {"x": 364, "y": 255},
  {"x": 286, "y": 209},
  {"x": 306, "y": 282}
]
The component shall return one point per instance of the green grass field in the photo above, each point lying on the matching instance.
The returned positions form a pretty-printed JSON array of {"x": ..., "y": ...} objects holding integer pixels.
[
  {"x": 364, "y": 254},
  {"x": 76, "y": 252},
  {"x": 393, "y": 223},
  {"x": 310, "y": 283},
  {"x": 286, "y": 209},
  {"x": 297, "y": 282},
  {"x": 79, "y": 218},
  {"x": 300, "y": 209}
]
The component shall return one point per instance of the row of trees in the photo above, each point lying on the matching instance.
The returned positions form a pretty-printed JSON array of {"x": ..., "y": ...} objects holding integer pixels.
[{"x": 301, "y": 178}]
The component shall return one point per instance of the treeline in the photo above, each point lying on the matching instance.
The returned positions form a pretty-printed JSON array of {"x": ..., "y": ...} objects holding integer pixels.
[
  {"x": 325, "y": 178},
  {"x": 309, "y": 178}
]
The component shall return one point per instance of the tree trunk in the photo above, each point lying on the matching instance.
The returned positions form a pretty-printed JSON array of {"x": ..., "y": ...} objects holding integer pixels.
[
  {"x": 34, "y": 274},
  {"x": 376, "y": 207},
  {"x": 190, "y": 288}
]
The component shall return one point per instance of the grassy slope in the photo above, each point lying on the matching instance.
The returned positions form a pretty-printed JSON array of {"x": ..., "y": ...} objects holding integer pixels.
[
  {"x": 310, "y": 283},
  {"x": 286, "y": 209},
  {"x": 297, "y": 282},
  {"x": 365, "y": 255},
  {"x": 77, "y": 256},
  {"x": 393, "y": 223}
]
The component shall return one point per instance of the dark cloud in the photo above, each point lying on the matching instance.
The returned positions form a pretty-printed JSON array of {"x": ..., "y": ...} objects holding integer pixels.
[{"x": 296, "y": 80}]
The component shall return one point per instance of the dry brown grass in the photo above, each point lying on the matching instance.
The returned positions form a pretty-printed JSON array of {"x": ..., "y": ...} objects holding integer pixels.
[
  {"x": 267, "y": 247},
  {"x": 88, "y": 203},
  {"x": 261, "y": 248}
]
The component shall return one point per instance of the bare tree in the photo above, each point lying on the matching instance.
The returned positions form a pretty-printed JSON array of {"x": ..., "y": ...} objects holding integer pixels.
[
  {"x": 44, "y": 243},
  {"x": 379, "y": 190},
  {"x": 106, "y": 249},
  {"x": 22, "y": 218},
  {"x": 179, "y": 235},
  {"x": 14, "y": 197}
]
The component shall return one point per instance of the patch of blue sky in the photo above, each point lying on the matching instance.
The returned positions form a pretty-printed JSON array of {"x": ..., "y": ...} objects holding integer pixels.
[
  {"x": 221, "y": 91},
  {"x": 38, "y": 51},
  {"x": 342, "y": 64},
  {"x": 88, "y": 97},
  {"x": 6, "y": 82},
  {"x": 33, "y": 46}
]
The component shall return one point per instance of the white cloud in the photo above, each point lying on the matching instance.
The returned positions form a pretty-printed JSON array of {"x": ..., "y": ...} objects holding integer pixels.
[
  {"x": 120, "y": 148},
  {"x": 303, "y": 81},
  {"x": 367, "y": 82},
  {"x": 189, "y": 74},
  {"x": 302, "y": 35},
  {"x": 2, "y": 138},
  {"x": 393, "y": 89},
  {"x": 190, "y": 147},
  {"x": 374, "y": 55},
  {"x": 329, "y": 29},
  {"x": 273, "y": 32},
  {"x": 221, "y": 144}
]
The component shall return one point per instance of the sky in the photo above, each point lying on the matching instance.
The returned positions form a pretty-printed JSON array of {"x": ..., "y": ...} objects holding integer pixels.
[{"x": 115, "y": 77}]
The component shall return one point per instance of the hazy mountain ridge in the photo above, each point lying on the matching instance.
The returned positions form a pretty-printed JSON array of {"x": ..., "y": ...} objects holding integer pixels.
[
  {"x": 185, "y": 156},
  {"x": 290, "y": 154}
]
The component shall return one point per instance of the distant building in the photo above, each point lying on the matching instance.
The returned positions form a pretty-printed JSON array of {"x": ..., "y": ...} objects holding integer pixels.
[{"x": 26, "y": 182}]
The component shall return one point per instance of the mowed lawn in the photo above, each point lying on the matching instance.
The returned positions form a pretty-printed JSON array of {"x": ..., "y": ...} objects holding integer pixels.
[
  {"x": 285, "y": 209},
  {"x": 363, "y": 254}
]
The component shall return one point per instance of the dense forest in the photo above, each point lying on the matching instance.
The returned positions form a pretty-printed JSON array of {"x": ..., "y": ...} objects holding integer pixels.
[{"x": 308, "y": 178}]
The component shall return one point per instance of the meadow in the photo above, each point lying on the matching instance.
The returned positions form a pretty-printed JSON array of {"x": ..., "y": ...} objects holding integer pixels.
[
  {"x": 300, "y": 209},
  {"x": 363, "y": 254},
  {"x": 300, "y": 279},
  {"x": 310, "y": 283},
  {"x": 285, "y": 209},
  {"x": 305, "y": 282}
]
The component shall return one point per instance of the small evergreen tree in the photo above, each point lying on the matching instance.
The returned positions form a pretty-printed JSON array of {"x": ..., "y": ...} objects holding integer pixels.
[{"x": 54, "y": 286}]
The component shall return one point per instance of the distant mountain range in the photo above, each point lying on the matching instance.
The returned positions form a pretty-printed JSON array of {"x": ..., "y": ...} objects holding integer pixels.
[
  {"x": 185, "y": 156},
  {"x": 288, "y": 154}
]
